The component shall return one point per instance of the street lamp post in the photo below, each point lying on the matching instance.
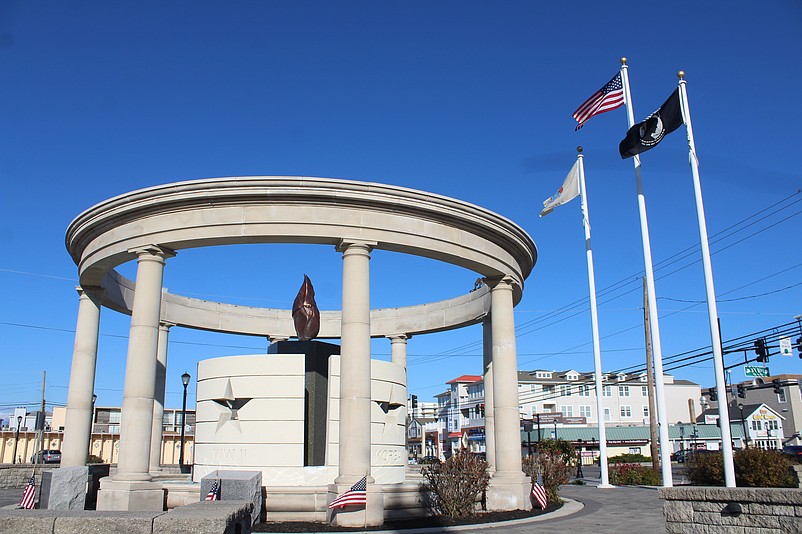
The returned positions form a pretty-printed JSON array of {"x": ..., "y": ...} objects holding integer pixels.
[
  {"x": 16, "y": 439},
  {"x": 184, "y": 380},
  {"x": 92, "y": 421},
  {"x": 579, "y": 473},
  {"x": 743, "y": 424}
]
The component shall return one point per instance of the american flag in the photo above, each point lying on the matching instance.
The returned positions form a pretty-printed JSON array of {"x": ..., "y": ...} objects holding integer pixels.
[
  {"x": 29, "y": 494},
  {"x": 214, "y": 492},
  {"x": 539, "y": 493},
  {"x": 609, "y": 97},
  {"x": 357, "y": 495}
]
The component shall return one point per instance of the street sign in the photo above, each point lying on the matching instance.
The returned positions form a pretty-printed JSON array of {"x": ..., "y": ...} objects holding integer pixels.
[
  {"x": 785, "y": 347},
  {"x": 750, "y": 370}
]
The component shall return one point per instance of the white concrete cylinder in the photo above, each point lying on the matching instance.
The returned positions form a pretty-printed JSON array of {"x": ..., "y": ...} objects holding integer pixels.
[
  {"x": 158, "y": 401},
  {"x": 78, "y": 422},
  {"x": 354, "y": 450},
  {"x": 140, "y": 371},
  {"x": 506, "y": 419},
  {"x": 487, "y": 361}
]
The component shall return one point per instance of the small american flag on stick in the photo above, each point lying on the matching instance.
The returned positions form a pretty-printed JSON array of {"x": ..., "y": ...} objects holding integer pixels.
[
  {"x": 357, "y": 495},
  {"x": 214, "y": 492},
  {"x": 29, "y": 494},
  {"x": 539, "y": 493}
]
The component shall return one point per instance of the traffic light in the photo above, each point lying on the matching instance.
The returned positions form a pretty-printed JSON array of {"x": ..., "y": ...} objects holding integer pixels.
[
  {"x": 760, "y": 350},
  {"x": 741, "y": 390},
  {"x": 712, "y": 394},
  {"x": 482, "y": 409},
  {"x": 778, "y": 387},
  {"x": 799, "y": 345},
  {"x": 414, "y": 401}
]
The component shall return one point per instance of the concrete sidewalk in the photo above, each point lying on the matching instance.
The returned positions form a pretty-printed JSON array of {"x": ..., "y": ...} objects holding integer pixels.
[{"x": 614, "y": 510}]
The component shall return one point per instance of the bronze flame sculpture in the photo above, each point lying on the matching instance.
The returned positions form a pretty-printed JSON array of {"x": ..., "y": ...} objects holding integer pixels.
[{"x": 305, "y": 314}]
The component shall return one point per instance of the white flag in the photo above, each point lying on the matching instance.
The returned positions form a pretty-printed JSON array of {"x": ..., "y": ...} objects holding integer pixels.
[{"x": 566, "y": 193}]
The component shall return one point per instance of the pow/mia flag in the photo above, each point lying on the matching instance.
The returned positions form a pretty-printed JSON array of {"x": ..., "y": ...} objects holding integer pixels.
[{"x": 647, "y": 134}]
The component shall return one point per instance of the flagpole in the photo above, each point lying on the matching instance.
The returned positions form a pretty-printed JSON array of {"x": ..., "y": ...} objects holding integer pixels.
[
  {"x": 712, "y": 313},
  {"x": 657, "y": 352},
  {"x": 594, "y": 322}
]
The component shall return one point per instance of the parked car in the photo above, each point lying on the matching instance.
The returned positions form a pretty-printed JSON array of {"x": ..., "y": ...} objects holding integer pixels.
[
  {"x": 48, "y": 456},
  {"x": 680, "y": 455},
  {"x": 794, "y": 452},
  {"x": 429, "y": 460}
]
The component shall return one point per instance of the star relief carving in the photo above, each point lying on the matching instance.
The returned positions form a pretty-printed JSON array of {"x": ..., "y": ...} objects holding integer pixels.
[
  {"x": 231, "y": 406},
  {"x": 392, "y": 417}
]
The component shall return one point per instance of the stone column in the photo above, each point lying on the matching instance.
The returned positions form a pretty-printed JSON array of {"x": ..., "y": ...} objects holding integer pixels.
[
  {"x": 509, "y": 486},
  {"x": 355, "y": 398},
  {"x": 158, "y": 401},
  {"x": 78, "y": 422},
  {"x": 130, "y": 488},
  {"x": 398, "y": 353},
  {"x": 487, "y": 361},
  {"x": 398, "y": 350}
]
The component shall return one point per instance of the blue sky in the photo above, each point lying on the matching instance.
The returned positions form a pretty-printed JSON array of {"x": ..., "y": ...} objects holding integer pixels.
[{"x": 472, "y": 100}]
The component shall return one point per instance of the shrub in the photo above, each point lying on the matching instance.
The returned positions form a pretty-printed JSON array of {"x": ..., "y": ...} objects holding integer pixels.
[
  {"x": 457, "y": 483},
  {"x": 706, "y": 469},
  {"x": 628, "y": 458},
  {"x": 759, "y": 468},
  {"x": 92, "y": 459},
  {"x": 629, "y": 474},
  {"x": 553, "y": 461},
  {"x": 754, "y": 468}
]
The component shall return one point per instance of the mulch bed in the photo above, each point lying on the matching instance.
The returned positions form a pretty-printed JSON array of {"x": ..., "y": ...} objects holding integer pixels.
[{"x": 422, "y": 522}]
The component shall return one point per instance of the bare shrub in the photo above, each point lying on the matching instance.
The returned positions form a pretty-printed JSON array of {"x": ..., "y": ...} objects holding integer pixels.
[{"x": 457, "y": 483}]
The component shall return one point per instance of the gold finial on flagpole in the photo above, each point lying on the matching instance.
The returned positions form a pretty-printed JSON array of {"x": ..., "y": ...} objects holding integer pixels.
[
  {"x": 579, "y": 149},
  {"x": 681, "y": 74},
  {"x": 623, "y": 61}
]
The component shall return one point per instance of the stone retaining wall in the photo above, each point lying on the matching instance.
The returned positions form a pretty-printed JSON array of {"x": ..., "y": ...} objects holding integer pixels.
[
  {"x": 714, "y": 510},
  {"x": 204, "y": 517},
  {"x": 16, "y": 475}
]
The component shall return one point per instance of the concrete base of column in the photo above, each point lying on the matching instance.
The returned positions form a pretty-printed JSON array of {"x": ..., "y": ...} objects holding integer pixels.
[
  {"x": 371, "y": 515},
  {"x": 130, "y": 496},
  {"x": 509, "y": 491}
]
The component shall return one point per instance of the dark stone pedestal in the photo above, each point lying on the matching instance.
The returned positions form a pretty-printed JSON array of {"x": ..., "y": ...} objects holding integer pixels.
[{"x": 316, "y": 392}]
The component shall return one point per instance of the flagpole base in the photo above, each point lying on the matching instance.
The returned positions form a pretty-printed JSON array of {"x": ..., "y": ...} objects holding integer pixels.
[
  {"x": 370, "y": 515},
  {"x": 605, "y": 486}
]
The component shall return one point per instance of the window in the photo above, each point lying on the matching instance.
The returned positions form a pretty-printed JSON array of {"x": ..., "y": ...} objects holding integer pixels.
[
  {"x": 114, "y": 417},
  {"x": 756, "y": 425},
  {"x": 607, "y": 415},
  {"x": 626, "y": 411},
  {"x": 584, "y": 390},
  {"x": 567, "y": 411},
  {"x": 644, "y": 391},
  {"x": 645, "y": 411},
  {"x": 634, "y": 450},
  {"x": 548, "y": 390},
  {"x": 565, "y": 390},
  {"x": 532, "y": 388},
  {"x": 607, "y": 391},
  {"x": 584, "y": 411},
  {"x": 543, "y": 374},
  {"x": 623, "y": 391},
  {"x": 781, "y": 396}
]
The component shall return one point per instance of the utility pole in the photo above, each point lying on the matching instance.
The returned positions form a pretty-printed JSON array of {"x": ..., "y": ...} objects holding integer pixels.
[
  {"x": 40, "y": 422},
  {"x": 653, "y": 439}
]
